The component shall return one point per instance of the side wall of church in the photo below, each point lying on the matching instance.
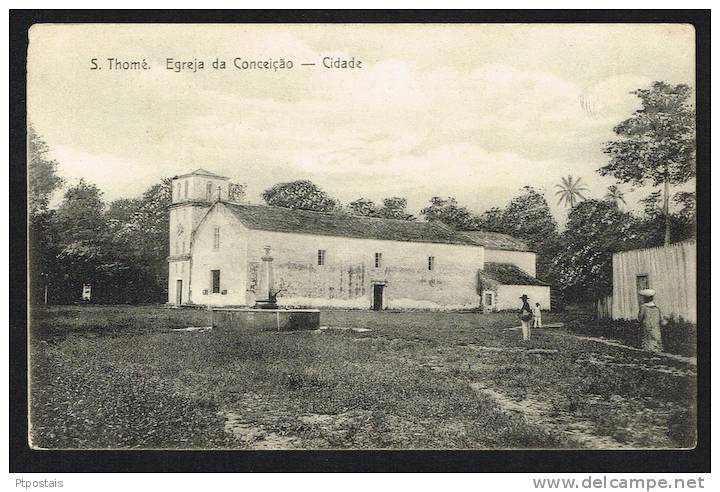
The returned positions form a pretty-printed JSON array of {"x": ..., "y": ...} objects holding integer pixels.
[{"x": 349, "y": 271}]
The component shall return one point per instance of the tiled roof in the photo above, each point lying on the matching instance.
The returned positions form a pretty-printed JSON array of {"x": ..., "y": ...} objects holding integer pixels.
[
  {"x": 509, "y": 274},
  {"x": 265, "y": 217},
  {"x": 496, "y": 240}
]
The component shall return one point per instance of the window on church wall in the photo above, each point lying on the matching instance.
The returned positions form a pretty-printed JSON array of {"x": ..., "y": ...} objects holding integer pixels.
[
  {"x": 216, "y": 238},
  {"x": 215, "y": 274},
  {"x": 378, "y": 260},
  {"x": 186, "y": 189},
  {"x": 431, "y": 263},
  {"x": 321, "y": 257}
]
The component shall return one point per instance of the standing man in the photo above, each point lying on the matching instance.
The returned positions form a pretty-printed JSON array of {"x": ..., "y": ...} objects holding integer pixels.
[{"x": 525, "y": 317}]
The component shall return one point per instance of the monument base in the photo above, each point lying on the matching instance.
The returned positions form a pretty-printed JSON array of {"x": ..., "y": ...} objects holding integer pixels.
[{"x": 255, "y": 320}]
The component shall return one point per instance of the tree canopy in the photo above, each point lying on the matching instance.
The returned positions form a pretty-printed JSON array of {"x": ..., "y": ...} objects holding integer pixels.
[
  {"x": 392, "y": 208},
  {"x": 43, "y": 179},
  {"x": 301, "y": 194},
  {"x": 656, "y": 145},
  {"x": 449, "y": 212}
]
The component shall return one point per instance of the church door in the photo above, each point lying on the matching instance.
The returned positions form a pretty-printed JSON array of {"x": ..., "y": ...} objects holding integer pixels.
[
  {"x": 178, "y": 292},
  {"x": 378, "y": 297}
]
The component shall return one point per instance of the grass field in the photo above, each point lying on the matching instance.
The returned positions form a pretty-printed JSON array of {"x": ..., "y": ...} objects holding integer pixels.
[{"x": 119, "y": 377}]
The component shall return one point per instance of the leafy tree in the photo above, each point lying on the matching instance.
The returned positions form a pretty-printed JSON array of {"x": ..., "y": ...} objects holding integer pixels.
[
  {"x": 450, "y": 213},
  {"x": 302, "y": 194},
  {"x": 493, "y": 220},
  {"x": 121, "y": 210},
  {"x": 615, "y": 195},
  {"x": 395, "y": 208},
  {"x": 570, "y": 191},
  {"x": 43, "y": 178},
  {"x": 237, "y": 192},
  {"x": 656, "y": 144},
  {"x": 392, "y": 208},
  {"x": 42, "y": 231},
  {"x": 595, "y": 230},
  {"x": 528, "y": 217},
  {"x": 146, "y": 234},
  {"x": 364, "y": 207},
  {"x": 81, "y": 231},
  {"x": 652, "y": 223}
]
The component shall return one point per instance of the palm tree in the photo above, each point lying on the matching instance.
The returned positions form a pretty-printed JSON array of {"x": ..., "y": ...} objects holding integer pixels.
[
  {"x": 615, "y": 195},
  {"x": 570, "y": 191}
]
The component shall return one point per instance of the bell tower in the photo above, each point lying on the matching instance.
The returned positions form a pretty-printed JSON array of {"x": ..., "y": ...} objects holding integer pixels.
[{"x": 192, "y": 195}]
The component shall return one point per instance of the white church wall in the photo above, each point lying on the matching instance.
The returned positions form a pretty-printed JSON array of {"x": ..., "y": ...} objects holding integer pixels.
[
  {"x": 349, "y": 271},
  {"x": 229, "y": 258}
]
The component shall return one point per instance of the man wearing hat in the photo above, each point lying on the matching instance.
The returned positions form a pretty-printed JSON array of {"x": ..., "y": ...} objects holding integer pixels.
[
  {"x": 650, "y": 319},
  {"x": 525, "y": 317}
]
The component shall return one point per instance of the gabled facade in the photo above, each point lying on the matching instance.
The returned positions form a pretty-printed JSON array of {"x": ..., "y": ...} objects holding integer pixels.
[{"x": 323, "y": 259}]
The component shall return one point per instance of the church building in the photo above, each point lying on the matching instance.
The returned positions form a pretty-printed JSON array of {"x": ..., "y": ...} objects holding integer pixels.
[{"x": 337, "y": 260}]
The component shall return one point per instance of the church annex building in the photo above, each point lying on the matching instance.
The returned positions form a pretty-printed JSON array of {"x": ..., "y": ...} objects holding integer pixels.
[{"x": 336, "y": 260}]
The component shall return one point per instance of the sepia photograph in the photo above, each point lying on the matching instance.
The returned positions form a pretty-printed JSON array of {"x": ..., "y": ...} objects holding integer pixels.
[{"x": 348, "y": 236}]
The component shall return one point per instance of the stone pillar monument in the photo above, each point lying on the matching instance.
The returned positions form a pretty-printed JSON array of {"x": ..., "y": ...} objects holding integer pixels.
[{"x": 266, "y": 283}]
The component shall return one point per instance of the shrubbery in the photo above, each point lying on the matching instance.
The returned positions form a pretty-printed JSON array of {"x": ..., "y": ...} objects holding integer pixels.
[{"x": 679, "y": 336}]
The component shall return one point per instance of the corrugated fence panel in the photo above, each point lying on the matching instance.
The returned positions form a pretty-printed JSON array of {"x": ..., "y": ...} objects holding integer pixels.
[{"x": 671, "y": 271}]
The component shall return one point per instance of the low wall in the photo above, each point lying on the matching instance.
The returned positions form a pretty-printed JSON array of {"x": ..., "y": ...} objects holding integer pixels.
[{"x": 265, "y": 319}]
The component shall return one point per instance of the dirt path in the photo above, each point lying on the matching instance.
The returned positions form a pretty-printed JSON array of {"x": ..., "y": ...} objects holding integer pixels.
[{"x": 538, "y": 413}]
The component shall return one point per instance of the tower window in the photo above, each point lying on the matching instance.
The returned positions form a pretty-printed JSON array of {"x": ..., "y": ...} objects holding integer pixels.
[
  {"x": 216, "y": 238},
  {"x": 208, "y": 191},
  {"x": 186, "y": 189},
  {"x": 321, "y": 257},
  {"x": 431, "y": 263},
  {"x": 378, "y": 260},
  {"x": 215, "y": 281}
]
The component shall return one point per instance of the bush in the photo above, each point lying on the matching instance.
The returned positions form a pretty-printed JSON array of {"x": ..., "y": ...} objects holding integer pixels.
[{"x": 679, "y": 336}]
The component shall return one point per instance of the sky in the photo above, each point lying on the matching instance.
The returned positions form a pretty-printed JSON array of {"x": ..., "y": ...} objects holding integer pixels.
[{"x": 473, "y": 111}]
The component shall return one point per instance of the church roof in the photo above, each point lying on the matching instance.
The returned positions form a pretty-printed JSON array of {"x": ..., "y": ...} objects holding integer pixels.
[
  {"x": 265, "y": 217},
  {"x": 496, "y": 240},
  {"x": 509, "y": 274},
  {"x": 202, "y": 172}
]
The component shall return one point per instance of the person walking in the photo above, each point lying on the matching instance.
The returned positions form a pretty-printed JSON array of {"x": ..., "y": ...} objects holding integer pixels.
[
  {"x": 651, "y": 319},
  {"x": 525, "y": 317},
  {"x": 537, "y": 316}
]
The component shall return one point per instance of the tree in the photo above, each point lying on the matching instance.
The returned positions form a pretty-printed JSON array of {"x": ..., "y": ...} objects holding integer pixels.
[
  {"x": 81, "y": 230},
  {"x": 656, "y": 144},
  {"x": 146, "y": 235},
  {"x": 595, "y": 230},
  {"x": 450, "y": 213},
  {"x": 43, "y": 179},
  {"x": 528, "y": 217},
  {"x": 394, "y": 208},
  {"x": 302, "y": 194},
  {"x": 493, "y": 220},
  {"x": 236, "y": 192},
  {"x": 571, "y": 191},
  {"x": 363, "y": 207},
  {"x": 615, "y": 195}
]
